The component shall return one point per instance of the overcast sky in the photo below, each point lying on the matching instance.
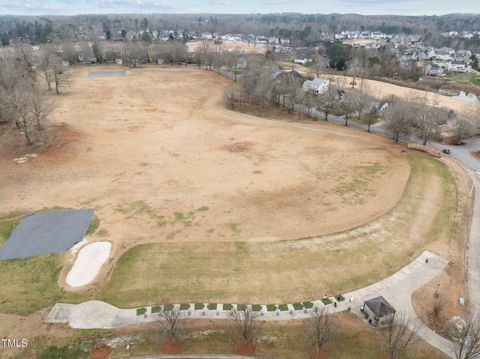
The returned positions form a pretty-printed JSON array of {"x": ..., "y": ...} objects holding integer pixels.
[{"x": 403, "y": 7}]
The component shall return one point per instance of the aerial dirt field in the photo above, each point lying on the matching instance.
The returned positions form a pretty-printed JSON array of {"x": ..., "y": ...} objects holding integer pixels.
[
  {"x": 231, "y": 45},
  {"x": 160, "y": 159},
  {"x": 205, "y": 204}
]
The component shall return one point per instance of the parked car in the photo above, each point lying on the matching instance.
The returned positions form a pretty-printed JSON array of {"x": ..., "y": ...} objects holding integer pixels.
[{"x": 446, "y": 150}]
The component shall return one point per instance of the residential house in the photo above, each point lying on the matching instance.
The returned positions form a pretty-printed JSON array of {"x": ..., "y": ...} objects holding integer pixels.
[
  {"x": 302, "y": 59},
  {"x": 458, "y": 66},
  {"x": 316, "y": 86},
  {"x": 433, "y": 69}
]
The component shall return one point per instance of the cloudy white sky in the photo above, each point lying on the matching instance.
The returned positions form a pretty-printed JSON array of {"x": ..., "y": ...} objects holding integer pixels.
[{"x": 403, "y": 7}]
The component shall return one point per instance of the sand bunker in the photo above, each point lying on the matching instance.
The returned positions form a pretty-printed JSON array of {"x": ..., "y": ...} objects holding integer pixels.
[{"x": 88, "y": 263}]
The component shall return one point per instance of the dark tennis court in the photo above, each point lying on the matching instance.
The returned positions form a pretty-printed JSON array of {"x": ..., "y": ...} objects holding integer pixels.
[{"x": 47, "y": 232}]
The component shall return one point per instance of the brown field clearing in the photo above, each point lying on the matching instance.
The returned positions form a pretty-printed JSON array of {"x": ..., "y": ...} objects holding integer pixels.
[
  {"x": 160, "y": 158},
  {"x": 206, "y": 204},
  {"x": 231, "y": 45}
]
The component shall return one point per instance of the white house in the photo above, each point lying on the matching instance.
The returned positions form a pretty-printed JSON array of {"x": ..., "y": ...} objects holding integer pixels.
[
  {"x": 316, "y": 86},
  {"x": 302, "y": 59},
  {"x": 458, "y": 66}
]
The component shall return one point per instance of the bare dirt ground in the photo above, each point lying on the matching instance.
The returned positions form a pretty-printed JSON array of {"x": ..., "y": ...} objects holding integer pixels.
[
  {"x": 382, "y": 90},
  {"x": 160, "y": 159},
  {"x": 231, "y": 45}
]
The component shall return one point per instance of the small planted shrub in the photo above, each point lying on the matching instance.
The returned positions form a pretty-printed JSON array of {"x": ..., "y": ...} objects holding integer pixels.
[
  {"x": 297, "y": 306},
  {"x": 185, "y": 306},
  {"x": 308, "y": 305},
  {"x": 326, "y": 301},
  {"x": 241, "y": 307},
  {"x": 271, "y": 307}
]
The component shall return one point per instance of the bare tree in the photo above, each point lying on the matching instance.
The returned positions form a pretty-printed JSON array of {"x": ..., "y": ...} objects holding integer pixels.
[
  {"x": 320, "y": 329},
  {"x": 44, "y": 66},
  {"x": 348, "y": 107},
  {"x": 466, "y": 339},
  {"x": 428, "y": 121},
  {"x": 258, "y": 82},
  {"x": 172, "y": 320},
  {"x": 371, "y": 114},
  {"x": 59, "y": 76},
  {"x": 41, "y": 107},
  {"x": 399, "y": 117},
  {"x": 244, "y": 324},
  {"x": 437, "y": 307},
  {"x": 327, "y": 101},
  {"x": 464, "y": 128},
  {"x": 399, "y": 336}
]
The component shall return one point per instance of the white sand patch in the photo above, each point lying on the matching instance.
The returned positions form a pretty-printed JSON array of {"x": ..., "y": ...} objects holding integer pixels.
[{"x": 89, "y": 261}]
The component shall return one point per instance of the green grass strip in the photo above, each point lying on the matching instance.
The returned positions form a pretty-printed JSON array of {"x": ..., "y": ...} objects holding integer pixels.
[
  {"x": 212, "y": 306},
  {"x": 297, "y": 306},
  {"x": 256, "y": 307},
  {"x": 185, "y": 306},
  {"x": 141, "y": 311},
  {"x": 227, "y": 307},
  {"x": 326, "y": 301},
  {"x": 156, "y": 309},
  {"x": 271, "y": 307},
  {"x": 283, "y": 307},
  {"x": 199, "y": 306},
  {"x": 308, "y": 305}
]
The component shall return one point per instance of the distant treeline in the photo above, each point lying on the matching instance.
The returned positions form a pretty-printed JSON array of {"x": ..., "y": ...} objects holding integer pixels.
[{"x": 304, "y": 29}]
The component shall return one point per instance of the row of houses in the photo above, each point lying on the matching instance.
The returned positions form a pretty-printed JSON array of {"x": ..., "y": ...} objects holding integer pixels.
[{"x": 463, "y": 35}]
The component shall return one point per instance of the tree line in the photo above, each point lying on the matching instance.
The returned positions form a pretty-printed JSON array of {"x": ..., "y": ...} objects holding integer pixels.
[
  {"x": 24, "y": 102},
  {"x": 304, "y": 29},
  {"x": 262, "y": 83}
]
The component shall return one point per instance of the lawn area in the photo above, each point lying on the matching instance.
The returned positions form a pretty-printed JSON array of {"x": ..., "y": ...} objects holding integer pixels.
[
  {"x": 28, "y": 284},
  {"x": 283, "y": 271},
  {"x": 471, "y": 77},
  {"x": 257, "y": 272}
]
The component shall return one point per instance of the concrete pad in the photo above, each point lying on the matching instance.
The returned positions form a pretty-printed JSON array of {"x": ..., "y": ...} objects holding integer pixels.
[{"x": 88, "y": 263}]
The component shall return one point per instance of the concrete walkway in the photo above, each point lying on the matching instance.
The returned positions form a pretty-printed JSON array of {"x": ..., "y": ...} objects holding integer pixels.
[
  {"x": 191, "y": 356},
  {"x": 397, "y": 289},
  {"x": 473, "y": 249}
]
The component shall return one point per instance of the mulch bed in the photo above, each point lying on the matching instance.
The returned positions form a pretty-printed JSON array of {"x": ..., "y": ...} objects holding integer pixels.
[
  {"x": 245, "y": 347},
  {"x": 171, "y": 346},
  {"x": 100, "y": 351},
  {"x": 321, "y": 354}
]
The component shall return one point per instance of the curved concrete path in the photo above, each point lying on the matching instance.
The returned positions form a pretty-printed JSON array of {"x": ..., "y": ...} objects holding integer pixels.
[
  {"x": 397, "y": 289},
  {"x": 192, "y": 356}
]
